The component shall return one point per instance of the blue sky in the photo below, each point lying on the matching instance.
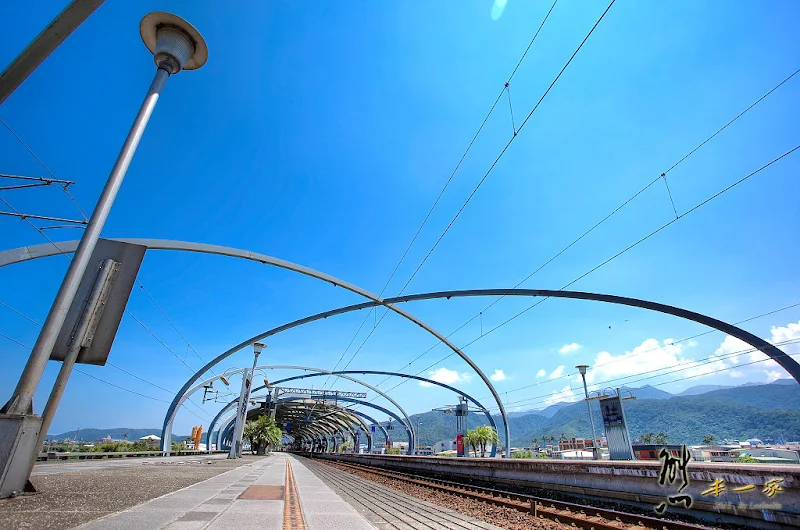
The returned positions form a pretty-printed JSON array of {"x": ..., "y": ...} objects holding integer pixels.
[{"x": 322, "y": 134}]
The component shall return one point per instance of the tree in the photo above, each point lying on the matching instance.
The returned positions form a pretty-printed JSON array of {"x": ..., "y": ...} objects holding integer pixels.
[
  {"x": 707, "y": 439},
  {"x": 746, "y": 459},
  {"x": 262, "y": 433},
  {"x": 647, "y": 439},
  {"x": 535, "y": 443},
  {"x": 487, "y": 436},
  {"x": 346, "y": 445},
  {"x": 660, "y": 439},
  {"x": 472, "y": 439}
]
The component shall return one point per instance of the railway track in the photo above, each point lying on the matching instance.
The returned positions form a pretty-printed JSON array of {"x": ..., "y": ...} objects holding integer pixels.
[
  {"x": 392, "y": 508},
  {"x": 580, "y": 516}
]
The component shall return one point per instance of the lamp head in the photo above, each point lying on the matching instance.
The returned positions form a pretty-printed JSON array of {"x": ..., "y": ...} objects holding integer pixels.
[
  {"x": 582, "y": 368},
  {"x": 258, "y": 347},
  {"x": 175, "y": 44},
  {"x": 224, "y": 380}
]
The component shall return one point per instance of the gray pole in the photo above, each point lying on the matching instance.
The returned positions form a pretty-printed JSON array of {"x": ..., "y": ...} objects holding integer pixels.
[
  {"x": 244, "y": 397},
  {"x": 582, "y": 369},
  {"x": 175, "y": 46},
  {"x": 22, "y": 400},
  {"x": 242, "y": 405},
  {"x": 97, "y": 298}
]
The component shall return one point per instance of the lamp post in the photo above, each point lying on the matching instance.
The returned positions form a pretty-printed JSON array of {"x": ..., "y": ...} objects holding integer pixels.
[
  {"x": 176, "y": 45},
  {"x": 582, "y": 369},
  {"x": 244, "y": 398}
]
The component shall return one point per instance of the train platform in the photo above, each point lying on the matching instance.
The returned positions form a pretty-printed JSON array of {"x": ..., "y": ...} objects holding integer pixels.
[{"x": 279, "y": 492}]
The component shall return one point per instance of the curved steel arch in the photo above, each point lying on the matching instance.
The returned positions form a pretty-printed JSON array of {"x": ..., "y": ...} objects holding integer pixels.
[
  {"x": 49, "y": 249},
  {"x": 398, "y": 374},
  {"x": 335, "y": 373},
  {"x": 38, "y": 251},
  {"x": 785, "y": 361},
  {"x": 347, "y": 400},
  {"x": 166, "y": 431},
  {"x": 368, "y": 404}
]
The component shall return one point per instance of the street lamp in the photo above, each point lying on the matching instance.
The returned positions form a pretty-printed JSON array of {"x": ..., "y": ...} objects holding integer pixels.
[
  {"x": 244, "y": 398},
  {"x": 176, "y": 45},
  {"x": 582, "y": 369}
]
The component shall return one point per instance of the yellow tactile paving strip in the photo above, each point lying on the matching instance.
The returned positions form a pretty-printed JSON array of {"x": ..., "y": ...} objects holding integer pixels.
[{"x": 292, "y": 512}]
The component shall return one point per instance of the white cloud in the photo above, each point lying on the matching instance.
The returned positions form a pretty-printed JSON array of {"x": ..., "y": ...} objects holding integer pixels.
[
  {"x": 541, "y": 373},
  {"x": 569, "y": 348},
  {"x": 558, "y": 372},
  {"x": 565, "y": 394},
  {"x": 669, "y": 358},
  {"x": 446, "y": 376},
  {"x": 498, "y": 375}
]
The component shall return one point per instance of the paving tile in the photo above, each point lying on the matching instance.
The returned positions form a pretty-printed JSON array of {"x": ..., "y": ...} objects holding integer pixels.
[{"x": 246, "y": 521}]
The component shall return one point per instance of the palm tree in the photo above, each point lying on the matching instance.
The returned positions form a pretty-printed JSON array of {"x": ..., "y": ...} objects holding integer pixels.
[
  {"x": 535, "y": 443},
  {"x": 708, "y": 439},
  {"x": 647, "y": 439},
  {"x": 262, "y": 433},
  {"x": 488, "y": 436}
]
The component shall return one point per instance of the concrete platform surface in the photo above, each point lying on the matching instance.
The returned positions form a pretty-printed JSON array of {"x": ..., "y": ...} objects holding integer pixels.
[
  {"x": 75, "y": 492},
  {"x": 248, "y": 497}
]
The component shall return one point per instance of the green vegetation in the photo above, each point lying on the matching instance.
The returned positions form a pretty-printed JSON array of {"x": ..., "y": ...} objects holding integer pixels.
[
  {"x": 482, "y": 437},
  {"x": 746, "y": 459},
  {"x": 347, "y": 445},
  {"x": 522, "y": 454},
  {"x": 262, "y": 433},
  {"x": 707, "y": 439},
  {"x": 393, "y": 451}
]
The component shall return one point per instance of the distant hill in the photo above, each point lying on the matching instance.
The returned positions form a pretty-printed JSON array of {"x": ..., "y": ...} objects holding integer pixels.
[
  {"x": 702, "y": 389},
  {"x": 552, "y": 409},
  {"x": 91, "y": 434},
  {"x": 647, "y": 392},
  {"x": 747, "y": 411}
]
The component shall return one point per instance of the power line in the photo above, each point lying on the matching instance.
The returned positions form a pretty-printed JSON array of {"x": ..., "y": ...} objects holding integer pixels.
[
  {"x": 617, "y": 209},
  {"x": 627, "y": 357},
  {"x": 618, "y": 254},
  {"x": 14, "y": 340},
  {"x": 171, "y": 323},
  {"x": 623, "y": 251},
  {"x": 488, "y": 172},
  {"x": 672, "y": 370},
  {"x": 441, "y": 193},
  {"x": 148, "y": 330}
]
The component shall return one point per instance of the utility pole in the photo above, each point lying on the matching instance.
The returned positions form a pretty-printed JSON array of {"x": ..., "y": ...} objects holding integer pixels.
[
  {"x": 244, "y": 398},
  {"x": 582, "y": 368}
]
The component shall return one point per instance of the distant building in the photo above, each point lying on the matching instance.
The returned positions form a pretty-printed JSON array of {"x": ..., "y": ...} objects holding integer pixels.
[
  {"x": 423, "y": 450},
  {"x": 651, "y": 451},
  {"x": 444, "y": 445},
  {"x": 579, "y": 444},
  {"x": 574, "y": 455},
  {"x": 153, "y": 440}
]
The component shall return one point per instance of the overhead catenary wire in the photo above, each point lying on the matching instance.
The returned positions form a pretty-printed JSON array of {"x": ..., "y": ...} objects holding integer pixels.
[
  {"x": 615, "y": 256},
  {"x": 650, "y": 350},
  {"x": 616, "y": 210},
  {"x": 444, "y": 188},
  {"x": 23, "y": 315},
  {"x": 687, "y": 364},
  {"x": 83, "y": 213},
  {"x": 489, "y": 171}
]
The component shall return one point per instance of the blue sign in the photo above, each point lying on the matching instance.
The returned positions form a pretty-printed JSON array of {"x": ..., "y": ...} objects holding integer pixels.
[{"x": 372, "y": 428}]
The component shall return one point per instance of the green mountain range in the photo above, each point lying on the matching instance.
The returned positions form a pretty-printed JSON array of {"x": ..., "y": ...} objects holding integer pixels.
[{"x": 750, "y": 411}]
